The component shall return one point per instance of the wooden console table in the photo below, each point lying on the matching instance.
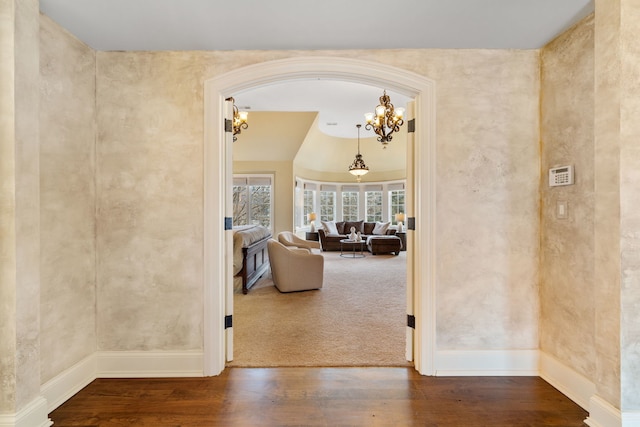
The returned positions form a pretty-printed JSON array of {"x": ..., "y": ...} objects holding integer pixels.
[
  {"x": 312, "y": 235},
  {"x": 403, "y": 237}
]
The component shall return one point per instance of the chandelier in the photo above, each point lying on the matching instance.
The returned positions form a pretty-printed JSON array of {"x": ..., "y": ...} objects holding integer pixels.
[
  {"x": 239, "y": 120},
  {"x": 358, "y": 168},
  {"x": 386, "y": 120}
]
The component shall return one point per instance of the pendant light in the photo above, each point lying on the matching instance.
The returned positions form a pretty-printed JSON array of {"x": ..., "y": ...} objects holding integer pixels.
[{"x": 358, "y": 167}]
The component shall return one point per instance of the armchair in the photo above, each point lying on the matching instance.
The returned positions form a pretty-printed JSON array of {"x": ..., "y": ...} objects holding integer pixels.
[
  {"x": 294, "y": 269},
  {"x": 288, "y": 238}
]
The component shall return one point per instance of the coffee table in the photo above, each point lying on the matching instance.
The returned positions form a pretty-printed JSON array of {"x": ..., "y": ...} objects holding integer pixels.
[{"x": 357, "y": 248}]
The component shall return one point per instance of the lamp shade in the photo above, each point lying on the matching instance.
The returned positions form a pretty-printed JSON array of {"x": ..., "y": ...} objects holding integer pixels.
[
  {"x": 312, "y": 216},
  {"x": 399, "y": 217}
]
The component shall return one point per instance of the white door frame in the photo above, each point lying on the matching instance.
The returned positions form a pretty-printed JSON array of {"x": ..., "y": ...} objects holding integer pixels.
[{"x": 217, "y": 155}]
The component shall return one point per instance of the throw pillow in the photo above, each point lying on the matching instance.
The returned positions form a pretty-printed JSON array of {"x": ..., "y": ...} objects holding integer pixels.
[
  {"x": 329, "y": 227},
  {"x": 381, "y": 228},
  {"x": 358, "y": 225},
  {"x": 368, "y": 228}
]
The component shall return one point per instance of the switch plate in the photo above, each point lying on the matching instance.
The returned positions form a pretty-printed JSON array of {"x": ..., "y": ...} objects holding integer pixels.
[{"x": 562, "y": 209}]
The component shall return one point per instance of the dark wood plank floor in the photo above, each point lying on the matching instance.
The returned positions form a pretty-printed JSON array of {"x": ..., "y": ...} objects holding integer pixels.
[{"x": 320, "y": 397}]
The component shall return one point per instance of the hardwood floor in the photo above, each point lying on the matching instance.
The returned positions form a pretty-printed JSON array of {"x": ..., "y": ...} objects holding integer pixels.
[{"x": 320, "y": 397}]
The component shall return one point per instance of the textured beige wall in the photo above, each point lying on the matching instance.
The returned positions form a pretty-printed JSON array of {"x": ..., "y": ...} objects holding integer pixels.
[
  {"x": 283, "y": 189},
  {"x": 607, "y": 199},
  {"x": 567, "y": 293},
  {"x": 7, "y": 211},
  {"x": 149, "y": 198},
  {"x": 67, "y": 199},
  {"x": 19, "y": 194},
  {"x": 488, "y": 169},
  {"x": 629, "y": 203},
  {"x": 149, "y": 189}
]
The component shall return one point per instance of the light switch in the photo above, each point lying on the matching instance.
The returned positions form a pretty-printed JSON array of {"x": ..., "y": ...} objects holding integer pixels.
[{"x": 561, "y": 209}]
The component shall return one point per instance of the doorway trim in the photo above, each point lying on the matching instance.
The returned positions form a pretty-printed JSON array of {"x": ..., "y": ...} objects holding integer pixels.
[{"x": 217, "y": 161}]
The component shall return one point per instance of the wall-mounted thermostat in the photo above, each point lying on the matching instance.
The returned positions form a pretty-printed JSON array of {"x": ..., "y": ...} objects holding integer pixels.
[{"x": 562, "y": 175}]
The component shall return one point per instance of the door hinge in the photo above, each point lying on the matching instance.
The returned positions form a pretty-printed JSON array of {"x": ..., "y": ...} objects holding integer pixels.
[
  {"x": 411, "y": 223},
  {"x": 228, "y": 125},
  {"x": 228, "y": 223},
  {"x": 411, "y": 126},
  {"x": 228, "y": 321},
  {"x": 411, "y": 321}
]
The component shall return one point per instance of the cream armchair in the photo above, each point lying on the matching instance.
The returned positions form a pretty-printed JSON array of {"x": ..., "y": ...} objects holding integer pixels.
[
  {"x": 288, "y": 238},
  {"x": 295, "y": 269}
]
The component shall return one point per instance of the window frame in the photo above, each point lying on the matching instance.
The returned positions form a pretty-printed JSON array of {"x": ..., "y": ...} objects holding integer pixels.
[
  {"x": 345, "y": 206},
  {"x": 323, "y": 216},
  {"x": 254, "y": 180},
  {"x": 401, "y": 207},
  {"x": 378, "y": 216}
]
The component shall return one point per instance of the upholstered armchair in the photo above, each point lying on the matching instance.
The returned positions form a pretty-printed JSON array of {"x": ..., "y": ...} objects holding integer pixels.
[
  {"x": 288, "y": 238},
  {"x": 294, "y": 269}
]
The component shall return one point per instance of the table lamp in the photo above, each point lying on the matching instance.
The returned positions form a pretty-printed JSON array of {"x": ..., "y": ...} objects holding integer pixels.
[
  {"x": 312, "y": 217},
  {"x": 399, "y": 219}
]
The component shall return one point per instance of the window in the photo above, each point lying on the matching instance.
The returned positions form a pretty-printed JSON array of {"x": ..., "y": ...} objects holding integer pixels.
[
  {"x": 252, "y": 200},
  {"x": 396, "y": 203},
  {"x": 307, "y": 204},
  {"x": 346, "y": 201},
  {"x": 350, "y": 205},
  {"x": 373, "y": 205},
  {"x": 327, "y": 205}
]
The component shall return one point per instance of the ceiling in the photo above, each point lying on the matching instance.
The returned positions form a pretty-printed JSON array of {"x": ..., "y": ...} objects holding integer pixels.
[{"x": 307, "y": 24}]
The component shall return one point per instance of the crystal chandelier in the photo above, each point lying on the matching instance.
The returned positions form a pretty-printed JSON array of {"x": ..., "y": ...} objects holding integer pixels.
[
  {"x": 239, "y": 120},
  {"x": 385, "y": 120},
  {"x": 358, "y": 168}
]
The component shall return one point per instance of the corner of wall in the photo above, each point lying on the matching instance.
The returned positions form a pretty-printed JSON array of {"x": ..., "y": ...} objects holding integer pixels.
[{"x": 116, "y": 364}]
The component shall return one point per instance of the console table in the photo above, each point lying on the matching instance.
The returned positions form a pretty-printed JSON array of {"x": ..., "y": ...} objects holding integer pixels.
[
  {"x": 312, "y": 235},
  {"x": 403, "y": 238}
]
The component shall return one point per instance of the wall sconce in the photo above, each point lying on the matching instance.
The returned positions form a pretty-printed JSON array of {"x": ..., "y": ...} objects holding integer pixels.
[{"x": 239, "y": 119}]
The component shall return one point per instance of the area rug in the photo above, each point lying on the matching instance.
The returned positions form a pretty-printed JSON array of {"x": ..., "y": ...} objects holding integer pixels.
[{"x": 358, "y": 318}]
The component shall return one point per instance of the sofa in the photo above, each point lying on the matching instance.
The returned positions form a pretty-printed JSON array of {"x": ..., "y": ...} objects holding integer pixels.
[{"x": 331, "y": 233}]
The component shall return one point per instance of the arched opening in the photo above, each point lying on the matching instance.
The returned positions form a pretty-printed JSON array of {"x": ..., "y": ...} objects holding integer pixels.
[{"x": 421, "y": 240}]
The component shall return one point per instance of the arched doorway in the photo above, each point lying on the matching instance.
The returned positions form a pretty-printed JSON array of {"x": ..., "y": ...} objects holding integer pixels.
[{"x": 217, "y": 166}]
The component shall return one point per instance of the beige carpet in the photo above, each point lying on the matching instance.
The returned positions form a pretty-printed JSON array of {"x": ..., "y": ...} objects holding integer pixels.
[{"x": 358, "y": 318}]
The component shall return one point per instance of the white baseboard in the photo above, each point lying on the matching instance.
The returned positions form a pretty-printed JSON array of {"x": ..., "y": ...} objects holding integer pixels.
[
  {"x": 487, "y": 363},
  {"x": 60, "y": 388},
  {"x": 570, "y": 383},
  {"x": 149, "y": 364},
  {"x": 603, "y": 414},
  {"x": 116, "y": 364},
  {"x": 35, "y": 414}
]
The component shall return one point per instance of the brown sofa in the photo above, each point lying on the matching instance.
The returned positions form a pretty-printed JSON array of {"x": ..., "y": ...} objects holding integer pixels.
[{"x": 331, "y": 242}]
